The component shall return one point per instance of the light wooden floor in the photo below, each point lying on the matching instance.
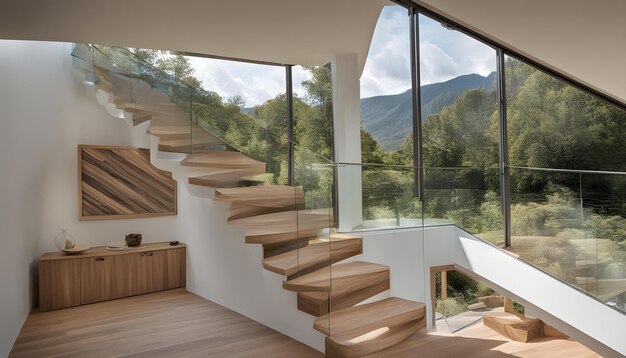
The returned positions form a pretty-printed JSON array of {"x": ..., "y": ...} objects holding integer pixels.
[
  {"x": 167, "y": 324},
  {"x": 180, "y": 324},
  {"x": 478, "y": 341}
]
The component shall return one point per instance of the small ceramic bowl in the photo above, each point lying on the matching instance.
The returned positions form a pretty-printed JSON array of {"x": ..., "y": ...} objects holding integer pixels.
[{"x": 133, "y": 240}]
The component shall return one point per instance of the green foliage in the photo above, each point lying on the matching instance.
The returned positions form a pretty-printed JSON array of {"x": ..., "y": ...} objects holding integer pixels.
[
  {"x": 370, "y": 150},
  {"x": 609, "y": 227},
  {"x": 451, "y": 307},
  {"x": 314, "y": 123},
  {"x": 391, "y": 189}
]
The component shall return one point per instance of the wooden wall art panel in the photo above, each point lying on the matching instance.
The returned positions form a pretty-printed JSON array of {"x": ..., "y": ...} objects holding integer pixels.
[{"x": 121, "y": 183}]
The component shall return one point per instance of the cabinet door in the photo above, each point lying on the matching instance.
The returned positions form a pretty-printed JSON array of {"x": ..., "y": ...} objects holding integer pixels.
[
  {"x": 176, "y": 268},
  {"x": 60, "y": 284},
  {"x": 104, "y": 278},
  {"x": 118, "y": 277},
  {"x": 94, "y": 286},
  {"x": 149, "y": 269}
]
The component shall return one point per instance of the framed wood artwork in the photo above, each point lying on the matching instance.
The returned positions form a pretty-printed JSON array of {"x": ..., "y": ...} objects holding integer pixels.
[{"x": 121, "y": 183}]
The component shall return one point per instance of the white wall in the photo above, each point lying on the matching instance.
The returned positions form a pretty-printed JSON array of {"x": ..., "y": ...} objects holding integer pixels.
[{"x": 44, "y": 114}]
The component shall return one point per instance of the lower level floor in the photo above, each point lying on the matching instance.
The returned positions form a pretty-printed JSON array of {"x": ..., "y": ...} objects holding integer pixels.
[{"x": 181, "y": 324}]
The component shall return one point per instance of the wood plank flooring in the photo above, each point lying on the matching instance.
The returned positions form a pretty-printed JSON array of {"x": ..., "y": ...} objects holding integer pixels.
[
  {"x": 177, "y": 323},
  {"x": 173, "y": 323},
  {"x": 479, "y": 341}
]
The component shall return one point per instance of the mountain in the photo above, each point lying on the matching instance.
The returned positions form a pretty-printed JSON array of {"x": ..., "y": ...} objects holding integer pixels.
[{"x": 388, "y": 118}]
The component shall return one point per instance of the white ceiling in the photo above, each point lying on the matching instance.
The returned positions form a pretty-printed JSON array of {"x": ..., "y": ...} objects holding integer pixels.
[
  {"x": 283, "y": 31},
  {"x": 583, "y": 39}
]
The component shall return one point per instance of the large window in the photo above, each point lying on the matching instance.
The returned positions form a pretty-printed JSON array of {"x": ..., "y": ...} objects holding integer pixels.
[
  {"x": 459, "y": 115},
  {"x": 387, "y": 125}
]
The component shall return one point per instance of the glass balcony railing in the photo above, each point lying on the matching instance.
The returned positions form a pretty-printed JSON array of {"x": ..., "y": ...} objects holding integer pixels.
[{"x": 572, "y": 224}]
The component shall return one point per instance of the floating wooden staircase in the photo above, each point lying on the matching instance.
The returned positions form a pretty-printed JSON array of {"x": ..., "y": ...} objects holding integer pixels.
[{"x": 297, "y": 243}]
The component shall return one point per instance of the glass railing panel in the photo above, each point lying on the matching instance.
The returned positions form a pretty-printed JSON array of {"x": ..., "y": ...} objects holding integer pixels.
[
  {"x": 547, "y": 223},
  {"x": 314, "y": 182},
  {"x": 601, "y": 271},
  {"x": 387, "y": 199},
  {"x": 465, "y": 196}
]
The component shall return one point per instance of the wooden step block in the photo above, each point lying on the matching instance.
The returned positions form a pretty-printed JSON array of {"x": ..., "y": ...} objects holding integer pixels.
[
  {"x": 352, "y": 283},
  {"x": 267, "y": 195},
  {"x": 345, "y": 277},
  {"x": 517, "y": 330},
  {"x": 315, "y": 256},
  {"x": 318, "y": 303},
  {"x": 188, "y": 146},
  {"x": 260, "y": 200},
  {"x": 224, "y": 178},
  {"x": 241, "y": 210},
  {"x": 223, "y": 160},
  {"x": 389, "y": 312},
  {"x": 352, "y": 346},
  {"x": 285, "y": 226}
]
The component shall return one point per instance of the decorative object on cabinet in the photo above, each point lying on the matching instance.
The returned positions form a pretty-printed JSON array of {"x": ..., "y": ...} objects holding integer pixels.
[
  {"x": 100, "y": 275},
  {"x": 121, "y": 183},
  {"x": 66, "y": 242},
  {"x": 133, "y": 240}
]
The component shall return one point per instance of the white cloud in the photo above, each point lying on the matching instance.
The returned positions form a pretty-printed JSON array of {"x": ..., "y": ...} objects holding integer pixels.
[
  {"x": 254, "y": 83},
  {"x": 445, "y": 54}
]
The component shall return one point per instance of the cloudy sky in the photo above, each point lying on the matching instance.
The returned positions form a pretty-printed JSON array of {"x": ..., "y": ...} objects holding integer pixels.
[{"x": 445, "y": 54}]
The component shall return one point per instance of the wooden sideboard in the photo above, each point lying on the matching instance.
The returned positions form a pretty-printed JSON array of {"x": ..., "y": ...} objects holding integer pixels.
[{"x": 99, "y": 274}]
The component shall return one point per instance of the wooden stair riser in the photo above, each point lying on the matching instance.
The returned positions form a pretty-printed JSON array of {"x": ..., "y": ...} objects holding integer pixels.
[
  {"x": 223, "y": 160},
  {"x": 372, "y": 342},
  {"x": 282, "y": 238},
  {"x": 234, "y": 183},
  {"x": 241, "y": 210},
  {"x": 284, "y": 247}
]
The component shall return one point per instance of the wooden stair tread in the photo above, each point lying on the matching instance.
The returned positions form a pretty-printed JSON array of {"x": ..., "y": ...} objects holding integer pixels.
[
  {"x": 316, "y": 255},
  {"x": 189, "y": 142},
  {"x": 223, "y": 178},
  {"x": 266, "y": 195},
  {"x": 284, "y": 226},
  {"x": 242, "y": 209},
  {"x": 292, "y": 217},
  {"x": 344, "y": 277},
  {"x": 223, "y": 159},
  {"x": 357, "y": 320}
]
